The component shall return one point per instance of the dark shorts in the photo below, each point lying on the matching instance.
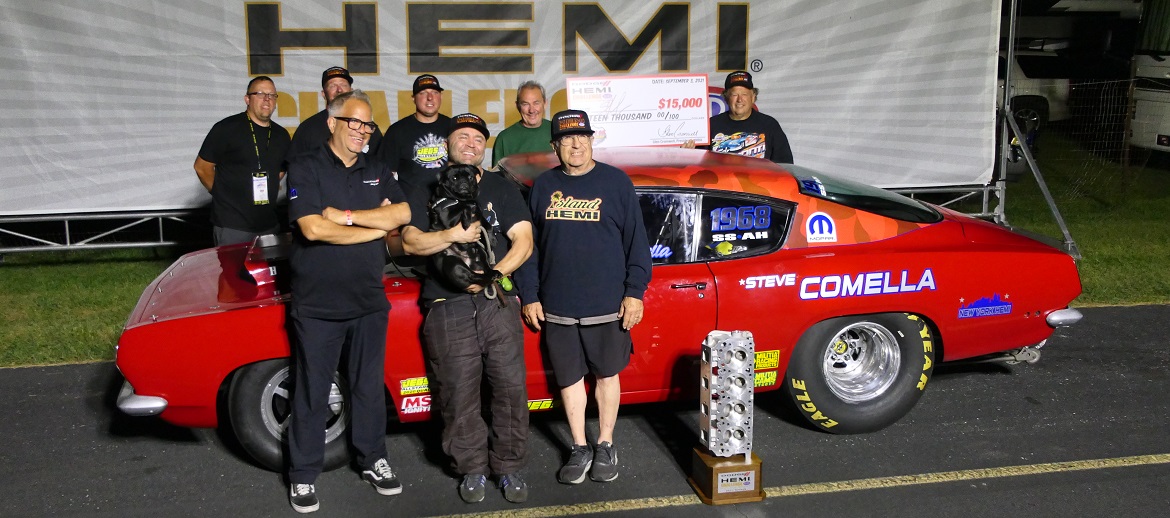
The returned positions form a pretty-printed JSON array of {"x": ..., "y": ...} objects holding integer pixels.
[{"x": 575, "y": 350}]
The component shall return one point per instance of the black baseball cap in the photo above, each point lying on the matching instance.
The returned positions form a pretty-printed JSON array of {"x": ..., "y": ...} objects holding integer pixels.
[
  {"x": 738, "y": 78},
  {"x": 333, "y": 72},
  {"x": 570, "y": 122},
  {"x": 469, "y": 120},
  {"x": 425, "y": 82}
]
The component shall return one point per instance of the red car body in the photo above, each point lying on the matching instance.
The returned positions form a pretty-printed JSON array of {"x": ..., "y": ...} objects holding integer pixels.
[{"x": 216, "y": 311}]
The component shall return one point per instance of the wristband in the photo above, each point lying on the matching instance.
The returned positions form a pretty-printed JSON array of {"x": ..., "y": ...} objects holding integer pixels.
[{"x": 348, "y": 218}]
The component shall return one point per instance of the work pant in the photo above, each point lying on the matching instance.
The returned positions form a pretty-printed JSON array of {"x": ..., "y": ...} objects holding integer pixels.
[
  {"x": 469, "y": 339},
  {"x": 318, "y": 348}
]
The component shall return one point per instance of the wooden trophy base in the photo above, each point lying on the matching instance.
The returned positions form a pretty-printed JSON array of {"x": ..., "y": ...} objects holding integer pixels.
[{"x": 726, "y": 480}]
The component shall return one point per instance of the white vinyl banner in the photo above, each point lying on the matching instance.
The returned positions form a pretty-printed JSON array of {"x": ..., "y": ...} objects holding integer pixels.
[{"x": 109, "y": 102}]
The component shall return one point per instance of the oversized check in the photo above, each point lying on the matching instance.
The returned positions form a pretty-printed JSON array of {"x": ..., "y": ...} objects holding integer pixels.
[{"x": 657, "y": 110}]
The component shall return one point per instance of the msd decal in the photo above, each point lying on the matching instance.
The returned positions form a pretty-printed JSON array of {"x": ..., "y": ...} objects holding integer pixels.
[
  {"x": 868, "y": 283},
  {"x": 416, "y": 404}
]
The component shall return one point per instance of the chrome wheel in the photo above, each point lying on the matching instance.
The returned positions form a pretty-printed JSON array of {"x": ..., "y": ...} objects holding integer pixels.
[
  {"x": 861, "y": 362},
  {"x": 276, "y": 406}
]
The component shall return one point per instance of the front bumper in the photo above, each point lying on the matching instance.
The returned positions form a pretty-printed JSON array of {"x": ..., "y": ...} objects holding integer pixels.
[{"x": 136, "y": 405}]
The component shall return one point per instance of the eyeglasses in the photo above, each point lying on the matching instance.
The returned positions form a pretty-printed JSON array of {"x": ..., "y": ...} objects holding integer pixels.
[
  {"x": 358, "y": 124},
  {"x": 570, "y": 139},
  {"x": 264, "y": 95}
]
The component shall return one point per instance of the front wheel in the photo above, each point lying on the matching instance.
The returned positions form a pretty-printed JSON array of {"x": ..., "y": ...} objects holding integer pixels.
[
  {"x": 259, "y": 405},
  {"x": 860, "y": 374}
]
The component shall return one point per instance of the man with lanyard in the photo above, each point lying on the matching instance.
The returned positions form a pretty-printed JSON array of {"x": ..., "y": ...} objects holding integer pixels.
[
  {"x": 342, "y": 205},
  {"x": 241, "y": 163},
  {"x": 532, "y": 132},
  {"x": 470, "y": 337},
  {"x": 314, "y": 131},
  {"x": 594, "y": 266},
  {"x": 741, "y": 130},
  {"x": 416, "y": 145}
]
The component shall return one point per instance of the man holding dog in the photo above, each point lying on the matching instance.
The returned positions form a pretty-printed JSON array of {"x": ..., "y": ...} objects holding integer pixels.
[
  {"x": 594, "y": 266},
  {"x": 469, "y": 336},
  {"x": 342, "y": 205}
]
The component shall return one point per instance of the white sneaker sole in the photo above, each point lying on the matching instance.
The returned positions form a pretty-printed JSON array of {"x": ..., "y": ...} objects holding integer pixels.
[
  {"x": 581, "y": 478},
  {"x": 306, "y": 509}
]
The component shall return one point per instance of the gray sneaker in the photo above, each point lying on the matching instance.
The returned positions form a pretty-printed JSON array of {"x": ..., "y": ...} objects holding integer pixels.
[
  {"x": 303, "y": 498},
  {"x": 515, "y": 490},
  {"x": 573, "y": 472},
  {"x": 605, "y": 463},
  {"x": 473, "y": 488}
]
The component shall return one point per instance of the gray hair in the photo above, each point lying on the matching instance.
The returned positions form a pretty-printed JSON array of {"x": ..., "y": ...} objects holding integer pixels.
[
  {"x": 530, "y": 84},
  {"x": 755, "y": 92},
  {"x": 339, "y": 101}
]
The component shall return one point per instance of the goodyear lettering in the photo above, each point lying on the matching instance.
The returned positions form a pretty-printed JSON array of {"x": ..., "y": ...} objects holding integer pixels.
[
  {"x": 810, "y": 407},
  {"x": 869, "y": 283},
  {"x": 765, "y": 379},
  {"x": 413, "y": 386},
  {"x": 416, "y": 404},
  {"x": 927, "y": 351},
  {"x": 767, "y": 360}
]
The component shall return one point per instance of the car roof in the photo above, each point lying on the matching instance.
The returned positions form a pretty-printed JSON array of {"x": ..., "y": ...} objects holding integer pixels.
[{"x": 673, "y": 167}]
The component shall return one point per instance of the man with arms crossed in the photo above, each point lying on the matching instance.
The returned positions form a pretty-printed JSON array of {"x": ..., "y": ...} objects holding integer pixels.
[
  {"x": 594, "y": 265},
  {"x": 469, "y": 337},
  {"x": 342, "y": 205}
]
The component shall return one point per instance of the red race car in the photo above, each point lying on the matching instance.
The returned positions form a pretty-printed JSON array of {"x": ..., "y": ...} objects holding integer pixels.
[{"x": 852, "y": 294}]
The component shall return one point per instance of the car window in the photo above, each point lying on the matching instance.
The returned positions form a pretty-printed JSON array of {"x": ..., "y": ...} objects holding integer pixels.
[
  {"x": 670, "y": 225},
  {"x": 863, "y": 197},
  {"x": 732, "y": 225}
]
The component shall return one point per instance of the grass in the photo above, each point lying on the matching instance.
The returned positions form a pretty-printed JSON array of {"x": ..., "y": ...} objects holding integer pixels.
[{"x": 70, "y": 306}]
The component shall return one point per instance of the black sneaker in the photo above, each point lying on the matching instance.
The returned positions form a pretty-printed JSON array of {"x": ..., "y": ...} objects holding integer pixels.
[
  {"x": 473, "y": 488},
  {"x": 515, "y": 490},
  {"x": 303, "y": 498},
  {"x": 573, "y": 472},
  {"x": 605, "y": 463},
  {"x": 382, "y": 478}
]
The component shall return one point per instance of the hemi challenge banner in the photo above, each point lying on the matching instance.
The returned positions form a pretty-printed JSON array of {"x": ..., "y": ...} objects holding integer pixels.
[{"x": 108, "y": 102}]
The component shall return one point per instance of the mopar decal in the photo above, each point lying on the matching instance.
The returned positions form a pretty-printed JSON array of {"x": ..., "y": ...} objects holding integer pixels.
[
  {"x": 985, "y": 307},
  {"x": 869, "y": 283},
  {"x": 820, "y": 228}
]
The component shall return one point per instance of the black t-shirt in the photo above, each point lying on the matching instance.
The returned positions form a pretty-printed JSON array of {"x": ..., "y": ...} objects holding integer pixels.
[
  {"x": 417, "y": 151},
  {"x": 502, "y": 206},
  {"x": 315, "y": 130},
  {"x": 230, "y": 146},
  {"x": 337, "y": 281},
  {"x": 758, "y": 136}
]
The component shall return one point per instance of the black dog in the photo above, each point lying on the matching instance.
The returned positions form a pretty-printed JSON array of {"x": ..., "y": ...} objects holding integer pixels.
[{"x": 453, "y": 203}]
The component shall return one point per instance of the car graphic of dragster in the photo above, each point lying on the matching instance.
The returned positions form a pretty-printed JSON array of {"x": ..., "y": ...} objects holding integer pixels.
[{"x": 734, "y": 143}]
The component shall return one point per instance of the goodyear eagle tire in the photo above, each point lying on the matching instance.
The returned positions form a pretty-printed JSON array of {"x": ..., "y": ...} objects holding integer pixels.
[
  {"x": 259, "y": 404},
  {"x": 860, "y": 374}
]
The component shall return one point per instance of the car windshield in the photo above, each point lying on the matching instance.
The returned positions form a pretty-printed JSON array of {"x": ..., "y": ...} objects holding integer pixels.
[{"x": 863, "y": 197}]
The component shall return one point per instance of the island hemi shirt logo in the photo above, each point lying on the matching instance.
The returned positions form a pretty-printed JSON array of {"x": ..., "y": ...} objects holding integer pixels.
[{"x": 572, "y": 209}]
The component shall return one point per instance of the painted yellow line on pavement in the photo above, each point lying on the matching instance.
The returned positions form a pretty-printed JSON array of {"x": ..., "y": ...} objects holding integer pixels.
[{"x": 834, "y": 487}]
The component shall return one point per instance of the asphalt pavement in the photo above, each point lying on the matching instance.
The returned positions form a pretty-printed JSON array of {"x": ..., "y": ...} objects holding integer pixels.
[{"x": 1081, "y": 433}]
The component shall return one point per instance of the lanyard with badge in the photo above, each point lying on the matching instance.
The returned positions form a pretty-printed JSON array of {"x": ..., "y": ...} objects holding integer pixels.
[{"x": 260, "y": 177}]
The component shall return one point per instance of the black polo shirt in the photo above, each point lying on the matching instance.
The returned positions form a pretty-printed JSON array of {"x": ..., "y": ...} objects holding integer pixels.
[
  {"x": 329, "y": 281},
  {"x": 230, "y": 147},
  {"x": 502, "y": 205}
]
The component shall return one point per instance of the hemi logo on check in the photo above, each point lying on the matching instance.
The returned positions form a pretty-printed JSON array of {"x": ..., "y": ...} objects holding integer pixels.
[{"x": 820, "y": 228}]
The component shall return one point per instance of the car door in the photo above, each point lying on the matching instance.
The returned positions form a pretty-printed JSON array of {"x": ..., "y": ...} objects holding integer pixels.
[{"x": 681, "y": 302}]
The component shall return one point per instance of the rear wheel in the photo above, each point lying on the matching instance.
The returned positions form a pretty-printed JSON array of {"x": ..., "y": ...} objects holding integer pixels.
[
  {"x": 860, "y": 374},
  {"x": 259, "y": 405}
]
